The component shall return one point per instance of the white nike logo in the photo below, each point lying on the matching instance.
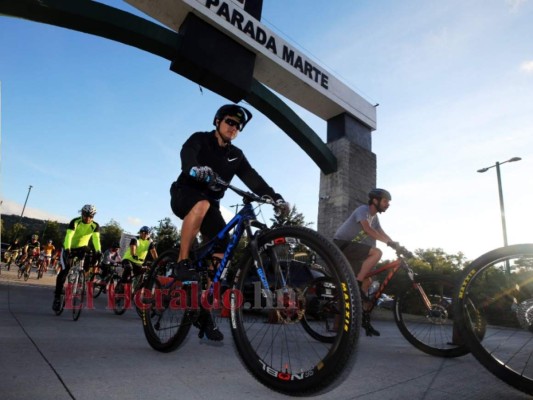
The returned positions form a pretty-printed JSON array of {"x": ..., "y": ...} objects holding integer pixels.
[{"x": 232, "y": 159}]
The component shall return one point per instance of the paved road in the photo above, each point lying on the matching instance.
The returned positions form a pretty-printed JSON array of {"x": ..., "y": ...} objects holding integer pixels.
[{"x": 106, "y": 356}]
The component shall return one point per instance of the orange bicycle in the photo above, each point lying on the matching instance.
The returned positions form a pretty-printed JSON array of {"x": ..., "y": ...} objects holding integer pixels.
[{"x": 423, "y": 312}]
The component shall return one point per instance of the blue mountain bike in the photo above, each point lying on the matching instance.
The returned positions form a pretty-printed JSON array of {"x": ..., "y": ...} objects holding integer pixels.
[{"x": 268, "y": 292}]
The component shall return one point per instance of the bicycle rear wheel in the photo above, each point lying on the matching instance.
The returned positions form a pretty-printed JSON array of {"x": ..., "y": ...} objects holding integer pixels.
[
  {"x": 166, "y": 320},
  {"x": 78, "y": 294},
  {"x": 430, "y": 330},
  {"x": 121, "y": 299},
  {"x": 321, "y": 313},
  {"x": 275, "y": 344},
  {"x": 98, "y": 284},
  {"x": 495, "y": 297}
]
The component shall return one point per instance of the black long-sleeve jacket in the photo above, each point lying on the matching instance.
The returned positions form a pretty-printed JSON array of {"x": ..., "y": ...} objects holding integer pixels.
[{"x": 202, "y": 149}]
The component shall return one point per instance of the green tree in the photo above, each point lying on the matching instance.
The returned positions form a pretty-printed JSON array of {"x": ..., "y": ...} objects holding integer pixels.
[
  {"x": 17, "y": 230},
  {"x": 110, "y": 233},
  {"x": 52, "y": 231},
  {"x": 293, "y": 218},
  {"x": 439, "y": 261},
  {"x": 166, "y": 235}
]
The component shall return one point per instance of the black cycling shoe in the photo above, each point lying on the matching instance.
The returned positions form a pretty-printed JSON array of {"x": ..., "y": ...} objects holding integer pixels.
[
  {"x": 184, "y": 271},
  {"x": 208, "y": 327},
  {"x": 365, "y": 324},
  {"x": 56, "y": 306}
]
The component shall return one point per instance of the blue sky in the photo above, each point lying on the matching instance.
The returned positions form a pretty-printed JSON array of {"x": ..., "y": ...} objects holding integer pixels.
[{"x": 88, "y": 120}]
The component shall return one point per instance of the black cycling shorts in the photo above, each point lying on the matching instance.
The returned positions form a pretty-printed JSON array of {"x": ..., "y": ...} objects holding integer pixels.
[
  {"x": 183, "y": 199},
  {"x": 355, "y": 252}
]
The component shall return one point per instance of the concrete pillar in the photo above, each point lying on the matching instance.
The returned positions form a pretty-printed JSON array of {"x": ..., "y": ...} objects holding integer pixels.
[{"x": 342, "y": 191}]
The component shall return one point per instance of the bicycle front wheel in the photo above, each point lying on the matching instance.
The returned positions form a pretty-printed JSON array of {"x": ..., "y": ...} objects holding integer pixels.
[
  {"x": 78, "y": 294},
  {"x": 429, "y": 327},
  {"x": 166, "y": 319},
  {"x": 275, "y": 332},
  {"x": 495, "y": 313}
]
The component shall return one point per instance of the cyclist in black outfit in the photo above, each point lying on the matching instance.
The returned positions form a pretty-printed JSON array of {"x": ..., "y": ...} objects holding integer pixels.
[{"x": 193, "y": 199}]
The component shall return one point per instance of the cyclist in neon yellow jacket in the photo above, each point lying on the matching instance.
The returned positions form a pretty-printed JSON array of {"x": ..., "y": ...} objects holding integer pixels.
[
  {"x": 136, "y": 253},
  {"x": 80, "y": 231}
]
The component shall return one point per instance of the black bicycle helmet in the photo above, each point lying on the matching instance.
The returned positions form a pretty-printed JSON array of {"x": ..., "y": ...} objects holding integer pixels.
[
  {"x": 233, "y": 110},
  {"x": 379, "y": 194}
]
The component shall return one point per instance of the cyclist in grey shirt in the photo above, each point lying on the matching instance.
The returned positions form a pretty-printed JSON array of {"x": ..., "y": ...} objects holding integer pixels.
[{"x": 357, "y": 236}]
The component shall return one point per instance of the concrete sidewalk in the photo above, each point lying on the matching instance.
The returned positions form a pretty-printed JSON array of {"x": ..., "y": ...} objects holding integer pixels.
[{"x": 102, "y": 355}]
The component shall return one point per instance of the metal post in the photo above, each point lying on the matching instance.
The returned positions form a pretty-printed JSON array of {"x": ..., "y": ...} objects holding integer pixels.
[
  {"x": 23, "y": 208},
  {"x": 500, "y": 192},
  {"x": 502, "y": 208}
]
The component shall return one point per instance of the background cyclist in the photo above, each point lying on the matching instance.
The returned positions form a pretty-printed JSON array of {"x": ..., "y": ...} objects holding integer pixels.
[
  {"x": 79, "y": 232},
  {"x": 48, "y": 249},
  {"x": 194, "y": 200},
  {"x": 357, "y": 237},
  {"x": 137, "y": 252},
  {"x": 110, "y": 258},
  {"x": 30, "y": 250}
]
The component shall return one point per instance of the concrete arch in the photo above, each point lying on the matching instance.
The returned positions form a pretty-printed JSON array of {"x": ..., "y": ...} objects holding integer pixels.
[{"x": 111, "y": 23}]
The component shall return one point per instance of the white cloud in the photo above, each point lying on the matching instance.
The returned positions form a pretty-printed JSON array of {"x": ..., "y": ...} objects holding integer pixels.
[
  {"x": 135, "y": 221},
  {"x": 515, "y": 4},
  {"x": 13, "y": 208},
  {"x": 527, "y": 66}
]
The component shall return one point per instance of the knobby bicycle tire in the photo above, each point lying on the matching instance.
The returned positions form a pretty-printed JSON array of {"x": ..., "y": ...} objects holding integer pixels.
[
  {"x": 271, "y": 339},
  {"x": 165, "y": 323},
  {"x": 495, "y": 313},
  {"x": 432, "y": 331}
]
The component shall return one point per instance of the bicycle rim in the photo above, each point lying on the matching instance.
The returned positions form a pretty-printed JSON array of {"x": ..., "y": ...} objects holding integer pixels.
[
  {"x": 495, "y": 306},
  {"x": 271, "y": 339},
  {"x": 166, "y": 321},
  {"x": 431, "y": 330},
  {"x": 78, "y": 294}
]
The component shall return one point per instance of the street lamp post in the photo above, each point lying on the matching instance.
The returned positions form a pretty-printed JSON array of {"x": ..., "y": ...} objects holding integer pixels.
[
  {"x": 500, "y": 192},
  {"x": 23, "y": 208}
]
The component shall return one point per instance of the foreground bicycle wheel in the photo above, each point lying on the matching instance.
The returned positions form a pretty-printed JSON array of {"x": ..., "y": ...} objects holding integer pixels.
[
  {"x": 165, "y": 322},
  {"x": 496, "y": 292},
  {"x": 430, "y": 330},
  {"x": 273, "y": 342}
]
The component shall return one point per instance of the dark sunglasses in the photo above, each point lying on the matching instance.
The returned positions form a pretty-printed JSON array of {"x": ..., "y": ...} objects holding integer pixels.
[
  {"x": 87, "y": 215},
  {"x": 233, "y": 123}
]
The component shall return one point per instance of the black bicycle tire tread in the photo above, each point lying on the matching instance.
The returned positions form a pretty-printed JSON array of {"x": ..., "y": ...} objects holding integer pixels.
[
  {"x": 76, "y": 312},
  {"x": 458, "y": 351},
  {"x": 491, "y": 364},
  {"x": 178, "y": 339},
  {"x": 332, "y": 373}
]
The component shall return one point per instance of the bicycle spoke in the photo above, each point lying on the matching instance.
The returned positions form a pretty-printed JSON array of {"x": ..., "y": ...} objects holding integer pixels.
[{"x": 496, "y": 309}]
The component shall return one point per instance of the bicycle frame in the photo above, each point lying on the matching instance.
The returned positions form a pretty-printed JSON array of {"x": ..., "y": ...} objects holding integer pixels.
[
  {"x": 394, "y": 266},
  {"x": 242, "y": 223}
]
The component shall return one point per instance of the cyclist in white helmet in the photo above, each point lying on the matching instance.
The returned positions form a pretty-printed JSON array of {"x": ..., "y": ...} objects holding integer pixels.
[{"x": 80, "y": 231}]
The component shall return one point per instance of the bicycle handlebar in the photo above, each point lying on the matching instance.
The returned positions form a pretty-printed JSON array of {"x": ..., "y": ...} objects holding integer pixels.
[{"x": 402, "y": 251}]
